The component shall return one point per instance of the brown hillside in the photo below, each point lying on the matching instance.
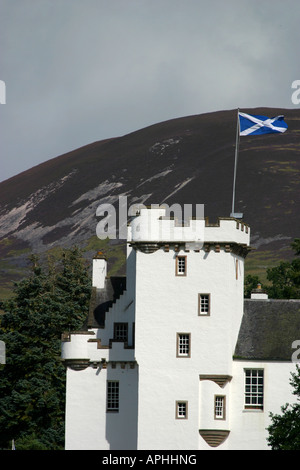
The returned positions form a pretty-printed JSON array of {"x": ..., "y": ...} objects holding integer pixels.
[{"x": 188, "y": 160}]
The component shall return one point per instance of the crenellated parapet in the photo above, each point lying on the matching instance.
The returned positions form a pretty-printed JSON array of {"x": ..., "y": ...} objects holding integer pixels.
[
  {"x": 83, "y": 349},
  {"x": 151, "y": 230}
]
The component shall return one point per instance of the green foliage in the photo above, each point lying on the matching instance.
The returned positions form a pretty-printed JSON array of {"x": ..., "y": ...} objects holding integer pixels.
[
  {"x": 251, "y": 282},
  {"x": 284, "y": 432},
  {"x": 53, "y": 299},
  {"x": 296, "y": 246},
  {"x": 285, "y": 278},
  {"x": 30, "y": 442}
]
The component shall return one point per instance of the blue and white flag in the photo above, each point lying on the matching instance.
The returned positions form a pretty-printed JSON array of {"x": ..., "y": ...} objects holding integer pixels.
[{"x": 256, "y": 125}]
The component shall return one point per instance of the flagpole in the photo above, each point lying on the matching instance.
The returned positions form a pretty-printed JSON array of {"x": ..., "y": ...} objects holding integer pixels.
[{"x": 237, "y": 141}]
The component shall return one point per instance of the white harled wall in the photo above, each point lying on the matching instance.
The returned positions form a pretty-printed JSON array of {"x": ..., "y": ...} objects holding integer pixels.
[
  {"x": 161, "y": 304},
  {"x": 88, "y": 425},
  {"x": 249, "y": 426},
  {"x": 167, "y": 304}
]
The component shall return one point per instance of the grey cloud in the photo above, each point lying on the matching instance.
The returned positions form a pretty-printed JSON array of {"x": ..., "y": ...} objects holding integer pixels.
[{"x": 78, "y": 71}]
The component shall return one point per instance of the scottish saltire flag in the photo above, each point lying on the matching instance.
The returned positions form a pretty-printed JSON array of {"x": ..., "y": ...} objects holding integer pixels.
[{"x": 256, "y": 125}]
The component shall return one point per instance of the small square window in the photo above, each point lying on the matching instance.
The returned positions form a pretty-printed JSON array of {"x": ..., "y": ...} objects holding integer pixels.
[
  {"x": 121, "y": 332},
  {"x": 180, "y": 265},
  {"x": 183, "y": 345},
  {"x": 204, "y": 304},
  {"x": 181, "y": 409}
]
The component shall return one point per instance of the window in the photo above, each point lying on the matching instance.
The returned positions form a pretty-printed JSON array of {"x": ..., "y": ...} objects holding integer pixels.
[
  {"x": 112, "y": 395},
  {"x": 204, "y": 304},
  {"x": 121, "y": 332},
  {"x": 219, "y": 407},
  {"x": 181, "y": 409},
  {"x": 254, "y": 388},
  {"x": 180, "y": 265},
  {"x": 183, "y": 345}
]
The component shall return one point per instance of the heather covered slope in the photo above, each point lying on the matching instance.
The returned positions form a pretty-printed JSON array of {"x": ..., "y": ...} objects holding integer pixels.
[{"x": 188, "y": 160}]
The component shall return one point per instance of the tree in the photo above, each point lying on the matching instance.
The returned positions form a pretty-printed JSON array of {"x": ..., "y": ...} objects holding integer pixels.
[
  {"x": 285, "y": 278},
  {"x": 296, "y": 246},
  {"x": 251, "y": 282},
  {"x": 53, "y": 299},
  {"x": 284, "y": 432}
]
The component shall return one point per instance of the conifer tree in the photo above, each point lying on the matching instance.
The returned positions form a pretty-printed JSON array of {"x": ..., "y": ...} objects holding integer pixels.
[{"x": 53, "y": 299}]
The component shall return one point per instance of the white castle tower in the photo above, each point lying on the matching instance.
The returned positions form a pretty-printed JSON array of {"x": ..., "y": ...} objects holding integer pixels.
[
  {"x": 153, "y": 369},
  {"x": 188, "y": 309}
]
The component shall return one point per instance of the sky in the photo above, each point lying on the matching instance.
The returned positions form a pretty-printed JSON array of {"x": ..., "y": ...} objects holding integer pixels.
[{"x": 79, "y": 71}]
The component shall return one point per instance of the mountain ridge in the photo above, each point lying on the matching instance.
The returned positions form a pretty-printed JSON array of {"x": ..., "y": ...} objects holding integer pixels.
[{"x": 188, "y": 160}]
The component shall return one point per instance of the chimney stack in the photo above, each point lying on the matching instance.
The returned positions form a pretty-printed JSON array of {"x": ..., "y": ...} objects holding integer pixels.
[
  {"x": 99, "y": 270},
  {"x": 259, "y": 293}
]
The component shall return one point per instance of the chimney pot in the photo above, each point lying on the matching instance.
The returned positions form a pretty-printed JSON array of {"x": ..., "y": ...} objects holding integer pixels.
[{"x": 259, "y": 293}]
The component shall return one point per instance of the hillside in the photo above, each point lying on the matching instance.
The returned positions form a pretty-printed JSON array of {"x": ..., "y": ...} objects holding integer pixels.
[{"x": 189, "y": 160}]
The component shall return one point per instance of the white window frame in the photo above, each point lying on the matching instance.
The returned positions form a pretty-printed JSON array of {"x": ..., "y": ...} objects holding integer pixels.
[
  {"x": 122, "y": 334},
  {"x": 220, "y": 407},
  {"x": 203, "y": 304},
  {"x": 181, "y": 409},
  {"x": 181, "y": 265},
  {"x": 113, "y": 396},
  {"x": 183, "y": 345},
  {"x": 254, "y": 389}
]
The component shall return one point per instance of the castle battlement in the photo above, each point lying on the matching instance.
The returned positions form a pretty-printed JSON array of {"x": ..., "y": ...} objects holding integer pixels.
[
  {"x": 83, "y": 349},
  {"x": 227, "y": 229},
  {"x": 152, "y": 226}
]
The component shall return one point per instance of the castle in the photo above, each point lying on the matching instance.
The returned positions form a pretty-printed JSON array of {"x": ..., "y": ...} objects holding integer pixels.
[{"x": 173, "y": 356}]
